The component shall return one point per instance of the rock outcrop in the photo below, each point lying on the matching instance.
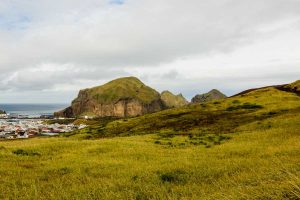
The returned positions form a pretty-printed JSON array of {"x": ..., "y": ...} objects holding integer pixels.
[
  {"x": 123, "y": 97},
  {"x": 211, "y": 95},
  {"x": 173, "y": 101}
]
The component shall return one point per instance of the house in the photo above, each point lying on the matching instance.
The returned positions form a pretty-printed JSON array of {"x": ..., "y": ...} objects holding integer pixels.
[{"x": 3, "y": 116}]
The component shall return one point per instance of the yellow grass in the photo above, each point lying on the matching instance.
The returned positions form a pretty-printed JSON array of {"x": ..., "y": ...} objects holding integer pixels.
[{"x": 258, "y": 160}]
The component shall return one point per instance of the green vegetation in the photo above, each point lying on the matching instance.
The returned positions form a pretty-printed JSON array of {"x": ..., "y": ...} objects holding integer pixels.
[
  {"x": 122, "y": 88},
  {"x": 295, "y": 87},
  {"x": 201, "y": 151},
  {"x": 259, "y": 161}
]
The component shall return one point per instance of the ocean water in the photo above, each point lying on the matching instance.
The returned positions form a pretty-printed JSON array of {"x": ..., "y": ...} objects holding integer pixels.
[{"x": 32, "y": 109}]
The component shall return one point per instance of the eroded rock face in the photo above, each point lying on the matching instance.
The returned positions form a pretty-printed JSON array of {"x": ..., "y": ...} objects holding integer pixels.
[
  {"x": 123, "y": 108},
  {"x": 88, "y": 104}
]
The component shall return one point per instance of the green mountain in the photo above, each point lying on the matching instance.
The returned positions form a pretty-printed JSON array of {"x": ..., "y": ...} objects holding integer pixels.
[
  {"x": 211, "y": 95},
  {"x": 123, "y": 97},
  {"x": 173, "y": 101}
]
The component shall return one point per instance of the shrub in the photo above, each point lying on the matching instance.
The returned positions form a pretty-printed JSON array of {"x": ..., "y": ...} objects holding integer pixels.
[
  {"x": 157, "y": 142},
  {"x": 244, "y": 106},
  {"x": 236, "y": 102},
  {"x": 251, "y": 106},
  {"x": 176, "y": 176},
  {"x": 22, "y": 152}
]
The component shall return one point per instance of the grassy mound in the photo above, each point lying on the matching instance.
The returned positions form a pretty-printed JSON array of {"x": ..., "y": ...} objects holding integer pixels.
[{"x": 122, "y": 88}]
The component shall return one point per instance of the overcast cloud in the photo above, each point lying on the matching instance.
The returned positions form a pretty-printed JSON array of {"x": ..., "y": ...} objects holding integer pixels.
[{"x": 50, "y": 49}]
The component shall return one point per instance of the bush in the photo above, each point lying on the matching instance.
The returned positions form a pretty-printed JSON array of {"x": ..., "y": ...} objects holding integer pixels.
[
  {"x": 176, "y": 176},
  {"x": 236, "y": 102},
  {"x": 22, "y": 152},
  {"x": 251, "y": 106},
  {"x": 244, "y": 106}
]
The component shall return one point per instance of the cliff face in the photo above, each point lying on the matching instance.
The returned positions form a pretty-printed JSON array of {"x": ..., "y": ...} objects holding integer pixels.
[
  {"x": 212, "y": 95},
  {"x": 125, "y": 97},
  {"x": 173, "y": 101}
]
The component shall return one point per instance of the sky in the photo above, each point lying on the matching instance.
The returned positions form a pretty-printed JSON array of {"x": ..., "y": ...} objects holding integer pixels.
[{"x": 51, "y": 49}]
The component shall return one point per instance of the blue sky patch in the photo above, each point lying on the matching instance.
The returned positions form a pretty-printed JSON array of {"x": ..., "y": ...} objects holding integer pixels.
[
  {"x": 19, "y": 22},
  {"x": 118, "y": 2}
]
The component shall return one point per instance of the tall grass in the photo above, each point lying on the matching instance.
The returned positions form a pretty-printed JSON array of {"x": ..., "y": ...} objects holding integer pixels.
[
  {"x": 256, "y": 163},
  {"x": 255, "y": 157}
]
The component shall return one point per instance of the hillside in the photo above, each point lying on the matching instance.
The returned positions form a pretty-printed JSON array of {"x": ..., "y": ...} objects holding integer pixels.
[
  {"x": 123, "y": 97},
  {"x": 243, "y": 147},
  {"x": 222, "y": 116},
  {"x": 211, "y": 95},
  {"x": 293, "y": 87},
  {"x": 173, "y": 101}
]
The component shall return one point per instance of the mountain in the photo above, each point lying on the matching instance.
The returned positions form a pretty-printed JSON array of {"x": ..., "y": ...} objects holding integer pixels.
[
  {"x": 211, "y": 95},
  {"x": 173, "y": 101},
  {"x": 123, "y": 97}
]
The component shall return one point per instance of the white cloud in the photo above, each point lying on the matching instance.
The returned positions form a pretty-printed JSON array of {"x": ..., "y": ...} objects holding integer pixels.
[{"x": 183, "y": 46}]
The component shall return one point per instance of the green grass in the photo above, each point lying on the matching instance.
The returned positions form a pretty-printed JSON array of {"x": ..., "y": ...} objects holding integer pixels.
[
  {"x": 259, "y": 161},
  {"x": 197, "y": 152},
  {"x": 122, "y": 88}
]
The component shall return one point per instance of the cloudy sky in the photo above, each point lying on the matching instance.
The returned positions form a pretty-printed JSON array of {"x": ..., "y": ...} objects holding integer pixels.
[{"x": 52, "y": 48}]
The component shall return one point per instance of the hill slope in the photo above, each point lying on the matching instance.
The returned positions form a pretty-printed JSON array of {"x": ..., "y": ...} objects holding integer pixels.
[
  {"x": 216, "y": 117},
  {"x": 173, "y": 101},
  {"x": 211, "y": 95},
  {"x": 244, "y": 147},
  {"x": 122, "y": 97}
]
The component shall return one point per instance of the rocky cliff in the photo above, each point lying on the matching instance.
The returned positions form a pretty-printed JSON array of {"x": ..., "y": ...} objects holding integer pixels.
[
  {"x": 123, "y": 97},
  {"x": 211, "y": 95},
  {"x": 173, "y": 101}
]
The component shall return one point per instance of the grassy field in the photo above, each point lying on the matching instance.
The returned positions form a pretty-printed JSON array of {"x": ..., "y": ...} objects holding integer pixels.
[{"x": 245, "y": 147}]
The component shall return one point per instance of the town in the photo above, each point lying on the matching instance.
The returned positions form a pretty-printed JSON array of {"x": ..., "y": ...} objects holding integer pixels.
[{"x": 28, "y": 128}]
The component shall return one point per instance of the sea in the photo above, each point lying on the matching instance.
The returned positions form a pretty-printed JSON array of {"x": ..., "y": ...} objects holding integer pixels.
[{"x": 32, "y": 110}]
